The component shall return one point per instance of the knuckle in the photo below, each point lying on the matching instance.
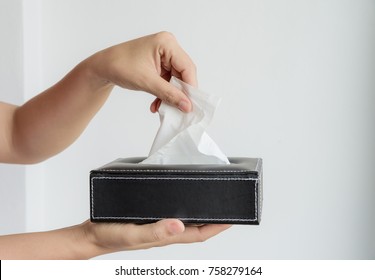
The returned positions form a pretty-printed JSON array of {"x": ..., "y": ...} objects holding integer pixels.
[
  {"x": 163, "y": 36},
  {"x": 169, "y": 97}
]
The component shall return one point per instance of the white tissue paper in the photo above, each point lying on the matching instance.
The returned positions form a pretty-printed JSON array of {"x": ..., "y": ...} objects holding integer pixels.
[{"x": 181, "y": 138}]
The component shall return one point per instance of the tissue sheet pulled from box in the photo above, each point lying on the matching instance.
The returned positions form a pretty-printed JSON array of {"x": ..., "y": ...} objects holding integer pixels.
[{"x": 125, "y": 191}]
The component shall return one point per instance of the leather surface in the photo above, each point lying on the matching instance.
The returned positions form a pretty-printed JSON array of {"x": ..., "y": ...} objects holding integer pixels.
[
  {"x": 125, "y": 191},
  {"x": 247, "y": 165}
]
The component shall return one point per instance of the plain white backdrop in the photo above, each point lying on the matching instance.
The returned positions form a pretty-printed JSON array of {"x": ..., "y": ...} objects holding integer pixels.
[{"x": 297, "y": 80}]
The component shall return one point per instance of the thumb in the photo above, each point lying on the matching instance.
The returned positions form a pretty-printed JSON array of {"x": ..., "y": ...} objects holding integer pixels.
[
  {"x": 148, "y": 234},
  {"x": 169, "y": 94}
]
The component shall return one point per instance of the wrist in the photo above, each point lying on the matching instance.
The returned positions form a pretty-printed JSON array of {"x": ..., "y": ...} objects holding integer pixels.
[
  {"x": 92, "y": 70},
  {"x": 84, "y": 244},
  {"x": 91, "y": 246}
]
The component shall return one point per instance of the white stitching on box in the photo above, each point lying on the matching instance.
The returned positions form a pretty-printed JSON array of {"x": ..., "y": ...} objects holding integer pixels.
[
  {"x": 167, "y": 178},
  {"x": 182, "y": 219},
  {"x": 256, "y": 198},
  {"x": 177, "y": 178},
  {"x": 174, "y": 170}
]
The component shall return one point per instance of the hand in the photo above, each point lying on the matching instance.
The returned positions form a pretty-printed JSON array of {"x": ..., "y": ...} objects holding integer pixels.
[
  {"x": 118, "y": 237},
  {"x": 147, "y": 64}
]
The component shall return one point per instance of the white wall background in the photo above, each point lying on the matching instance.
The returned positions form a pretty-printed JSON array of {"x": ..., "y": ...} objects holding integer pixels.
[
  {"x": 12, "y": 177},
  {"x": 298, "y": 88}
]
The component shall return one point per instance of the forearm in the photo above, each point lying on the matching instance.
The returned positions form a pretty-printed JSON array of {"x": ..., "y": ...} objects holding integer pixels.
[
  {"x": 51, "y": 121},
  {"x": 66, "y": 243}
]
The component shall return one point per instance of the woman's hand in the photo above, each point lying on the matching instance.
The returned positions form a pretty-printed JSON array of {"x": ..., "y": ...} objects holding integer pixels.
[
  {"x": 146, "y": 64},
  {"x": 89, "y": 240},
  {"x": 107, "y": 238}
]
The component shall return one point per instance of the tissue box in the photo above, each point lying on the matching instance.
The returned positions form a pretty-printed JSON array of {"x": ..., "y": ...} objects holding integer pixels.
[{"x": 126, "y": 191}]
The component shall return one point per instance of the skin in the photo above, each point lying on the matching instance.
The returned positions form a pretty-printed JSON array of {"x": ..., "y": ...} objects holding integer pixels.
[{"x": 51, "y": 121}]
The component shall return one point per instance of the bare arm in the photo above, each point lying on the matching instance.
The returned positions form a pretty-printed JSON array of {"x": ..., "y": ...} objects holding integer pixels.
[
  {"x": 89, "y": 240},
  {"x": 53, "y": 120}
]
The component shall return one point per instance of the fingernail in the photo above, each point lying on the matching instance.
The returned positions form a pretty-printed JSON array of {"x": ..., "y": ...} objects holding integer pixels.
[{"x": 184, "y": 106}]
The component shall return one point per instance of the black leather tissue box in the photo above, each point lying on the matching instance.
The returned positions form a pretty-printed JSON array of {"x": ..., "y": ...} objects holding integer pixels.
[{"x": 126, "y": 191}]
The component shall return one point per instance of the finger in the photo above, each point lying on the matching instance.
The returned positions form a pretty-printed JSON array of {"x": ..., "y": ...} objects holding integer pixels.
[
  {"x": 195, "y": 225},
  {"x": 188, "y": 73},
  {"x": 145, "y": 236},
  {"x": 154, "y": 107},
  {"x": 175, "y": 59},
  {"x": 195, "y": 234},
  {"x": 169, "y": 93},
  {"x": 158, "y": 104},
  {"x": 183, "y": 67},
  {"x": 202, "y": 233}
]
